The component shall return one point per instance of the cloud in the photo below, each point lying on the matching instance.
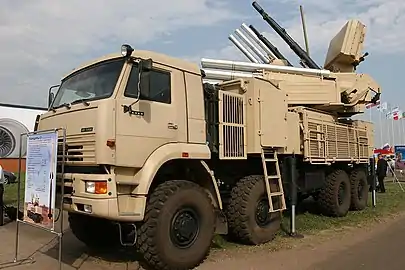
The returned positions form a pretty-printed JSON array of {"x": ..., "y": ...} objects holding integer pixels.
[{"x": 44, "y": 39}]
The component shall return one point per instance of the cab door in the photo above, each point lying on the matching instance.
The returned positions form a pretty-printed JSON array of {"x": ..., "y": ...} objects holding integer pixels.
[{"x": 154, "y": 120}]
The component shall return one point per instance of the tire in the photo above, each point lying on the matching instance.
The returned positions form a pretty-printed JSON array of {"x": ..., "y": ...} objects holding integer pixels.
[
  {"x": 249, "y": 195},
  {"x": 158, "y": 243},
  {"x": 92, "y": 231},
  {"x": 334, "y": 197},
  {"x": 359, "y": 190}
]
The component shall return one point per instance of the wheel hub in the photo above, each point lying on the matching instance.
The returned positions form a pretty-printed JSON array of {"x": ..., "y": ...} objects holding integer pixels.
[
  {"x": 262, "y": 212},
  {"x": 185, "y": 228}
]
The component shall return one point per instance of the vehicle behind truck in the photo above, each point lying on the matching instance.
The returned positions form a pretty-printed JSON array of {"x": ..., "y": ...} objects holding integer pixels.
[{"x": 161, "y": 154}]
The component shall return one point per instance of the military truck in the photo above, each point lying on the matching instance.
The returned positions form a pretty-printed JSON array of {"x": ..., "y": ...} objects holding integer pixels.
[{"x": 159, "y": 157}]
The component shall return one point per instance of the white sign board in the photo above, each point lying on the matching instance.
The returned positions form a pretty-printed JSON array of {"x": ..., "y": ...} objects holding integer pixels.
[{"x": 40, "y": 179}]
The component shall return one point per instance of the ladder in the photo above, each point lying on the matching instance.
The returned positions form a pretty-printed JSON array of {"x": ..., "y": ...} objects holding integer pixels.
[{"x": 269, "y": 156}]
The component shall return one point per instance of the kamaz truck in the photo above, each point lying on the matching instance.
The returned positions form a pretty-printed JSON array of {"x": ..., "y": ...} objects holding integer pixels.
[{"x": 162, "y": 154}]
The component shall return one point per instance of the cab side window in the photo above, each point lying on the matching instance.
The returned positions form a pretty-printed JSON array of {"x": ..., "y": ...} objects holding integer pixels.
[{"x": 155, "y": 85}]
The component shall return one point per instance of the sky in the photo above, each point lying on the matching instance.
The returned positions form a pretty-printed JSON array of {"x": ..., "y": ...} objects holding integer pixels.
[{"x": 43, "y": 40}]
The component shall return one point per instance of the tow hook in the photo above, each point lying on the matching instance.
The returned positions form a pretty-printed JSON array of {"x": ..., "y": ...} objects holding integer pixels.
[{"x": 128, "y": 234}]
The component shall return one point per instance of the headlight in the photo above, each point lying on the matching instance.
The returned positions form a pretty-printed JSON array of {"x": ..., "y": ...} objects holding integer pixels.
[
  {"x": 96, "y": 187},
  {"x": 126, "y": 50}
]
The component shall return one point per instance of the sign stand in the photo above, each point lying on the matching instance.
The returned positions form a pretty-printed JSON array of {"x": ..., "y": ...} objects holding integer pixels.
[{"x": 43, "y": 148}]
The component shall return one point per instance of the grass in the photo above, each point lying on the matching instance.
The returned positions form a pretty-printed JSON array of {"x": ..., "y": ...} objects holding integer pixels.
[
  {"x": 308, "y": 220},
  {"x": 11, "y": 192}
]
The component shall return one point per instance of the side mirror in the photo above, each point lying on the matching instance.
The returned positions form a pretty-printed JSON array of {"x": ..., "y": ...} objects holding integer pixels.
[
  {"x": 51, "y": 96},
  {"x": 146, "y": 64}
]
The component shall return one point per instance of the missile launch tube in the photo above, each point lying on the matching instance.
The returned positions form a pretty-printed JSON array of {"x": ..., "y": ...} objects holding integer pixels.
[
  {"x": 223, "y": 75},
  {"x": 251, "y": 67},
  {"x": 251, "y": 46},
  {"x": 252, "y": 35},
  {"x": 243, "y": 49}
]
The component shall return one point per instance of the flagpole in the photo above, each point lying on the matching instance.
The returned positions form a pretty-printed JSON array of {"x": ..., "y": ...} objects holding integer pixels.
[
  {"x": 393, "y": 131},
  {"x": 381, "y": 128},
  {"x": 392, "y": 126}
]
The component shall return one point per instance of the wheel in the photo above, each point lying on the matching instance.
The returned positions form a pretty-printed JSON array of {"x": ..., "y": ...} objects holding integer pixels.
[
  {"x": 178, "y": 227},
  {"x": 92, "y": 231},
  {"x": 334, "y": 197},
  {"x": 248, "y": 214},
  {"x": 359, "y": 189}
]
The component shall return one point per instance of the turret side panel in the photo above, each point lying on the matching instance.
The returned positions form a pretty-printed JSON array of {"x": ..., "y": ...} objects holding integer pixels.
[
  {"x": 311, "y": 93},
  {"x": 327, "y": 140}
]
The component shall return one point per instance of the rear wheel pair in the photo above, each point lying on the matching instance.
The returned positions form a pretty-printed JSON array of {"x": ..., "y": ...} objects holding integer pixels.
[{"x": 343, "y": 192}]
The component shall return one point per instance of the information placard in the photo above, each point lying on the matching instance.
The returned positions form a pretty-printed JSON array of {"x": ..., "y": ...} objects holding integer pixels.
[{"x": 40, "y": 179}]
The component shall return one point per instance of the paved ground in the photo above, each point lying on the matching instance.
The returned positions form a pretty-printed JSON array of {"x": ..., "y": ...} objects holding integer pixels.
[{"x": 374, "y": 249}]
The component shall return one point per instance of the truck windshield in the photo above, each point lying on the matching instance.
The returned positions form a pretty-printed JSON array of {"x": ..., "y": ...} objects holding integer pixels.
[{"x": 95, "y": 82}]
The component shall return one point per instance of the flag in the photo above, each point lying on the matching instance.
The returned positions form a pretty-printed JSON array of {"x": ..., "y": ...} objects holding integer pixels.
[
  {"x": 397, "y": 115},
  {"x": 371, "y": 105},
  {"x": 393, "y": 112},
  {"x": 382, "y": 107}
]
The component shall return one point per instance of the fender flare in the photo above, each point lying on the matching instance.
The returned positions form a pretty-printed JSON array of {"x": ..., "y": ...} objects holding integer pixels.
[{"x": 171, "y": 151}]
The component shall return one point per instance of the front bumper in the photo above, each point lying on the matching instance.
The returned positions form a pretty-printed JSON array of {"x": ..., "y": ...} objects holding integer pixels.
[{"x": 113, "y": 205}]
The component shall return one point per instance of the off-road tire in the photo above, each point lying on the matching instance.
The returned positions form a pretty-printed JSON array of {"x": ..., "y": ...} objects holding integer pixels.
[
  {"x": 240, "y": 211},
  {"x": 93, "y": 232},
  {"x": 154, "y": 235},
  {"x": 358, "y": 178},
  {"x": 329, "y": 195}
]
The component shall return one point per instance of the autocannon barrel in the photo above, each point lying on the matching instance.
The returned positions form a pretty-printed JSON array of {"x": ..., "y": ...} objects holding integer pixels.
[
  {"x": 269, "y": 45},
  {"x": 284, "y": 35}
]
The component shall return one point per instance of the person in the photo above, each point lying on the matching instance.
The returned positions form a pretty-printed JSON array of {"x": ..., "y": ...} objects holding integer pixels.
[
  {"x": 381, "y": 172},
  {"x": 1, "y": 196}
]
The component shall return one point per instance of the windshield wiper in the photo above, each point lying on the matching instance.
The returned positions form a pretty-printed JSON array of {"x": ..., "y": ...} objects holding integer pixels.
[
  {"x": 82, "y": 100},
  {"x": 67, "y": 105}
]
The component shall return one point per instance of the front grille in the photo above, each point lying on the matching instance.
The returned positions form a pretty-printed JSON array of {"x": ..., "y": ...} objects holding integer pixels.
[{"x": 80, "y": 149}]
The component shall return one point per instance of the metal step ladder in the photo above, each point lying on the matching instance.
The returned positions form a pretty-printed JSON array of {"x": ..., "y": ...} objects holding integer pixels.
[{"x": 269, "y": 156}]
